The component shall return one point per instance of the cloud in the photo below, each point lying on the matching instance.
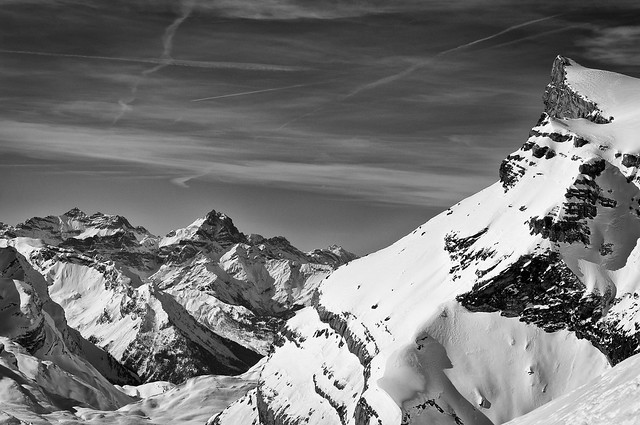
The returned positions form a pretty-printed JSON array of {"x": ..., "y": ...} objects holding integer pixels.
[
  {"x": 616, "y": 45},
  {"x": 164, "y": 59},
  {"x": 309, "y": 9},
  {"x": 252, "y": 9},
  {"x": 278, "y": 9},
  {"x": 184, "y": 159},
  {"x": 244, "y": 66}
]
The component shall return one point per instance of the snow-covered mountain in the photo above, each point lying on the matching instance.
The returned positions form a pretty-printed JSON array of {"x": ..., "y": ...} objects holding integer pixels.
[
  {"x": 205, "y": 299},
  {"x": 520, "y": 303},
  {"x": 45, "y": 366},
  {"x": 508, "y": 300}
]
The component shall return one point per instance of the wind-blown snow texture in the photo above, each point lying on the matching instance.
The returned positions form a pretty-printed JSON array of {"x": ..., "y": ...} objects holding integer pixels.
[{"x": 506, "y": 301}]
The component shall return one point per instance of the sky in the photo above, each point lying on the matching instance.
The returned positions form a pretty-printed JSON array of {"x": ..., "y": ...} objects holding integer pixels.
[{"x": 347, "y": 122}]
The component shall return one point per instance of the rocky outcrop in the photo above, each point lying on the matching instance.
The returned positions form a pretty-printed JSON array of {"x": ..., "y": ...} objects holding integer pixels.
[
  {"x": 364, "y": 350},
  {"x": 511, "y": 170},
  {"x": 583, "y": 199},
  {"x": 541, "y": 290},
  {"x": 561, "y": 101}
]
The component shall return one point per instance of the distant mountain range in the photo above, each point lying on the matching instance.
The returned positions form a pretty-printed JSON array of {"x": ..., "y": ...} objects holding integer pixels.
[{"x": 101, "y": 298}]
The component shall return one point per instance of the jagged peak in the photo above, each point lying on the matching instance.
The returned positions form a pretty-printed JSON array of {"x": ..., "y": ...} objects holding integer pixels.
[
  {"x": 214, "y": 217},
  {"x": 101, "y": 220},
  {"x": 212, "y": 227},
  {"x": 75, "y": 212},
  {"x": 563, "y": 101},
  {"x": 221, "y": 223}
]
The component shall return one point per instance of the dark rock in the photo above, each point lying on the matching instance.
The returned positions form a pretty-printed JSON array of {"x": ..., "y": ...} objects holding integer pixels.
[
  {"x": 511, "y": 171},
  {"x": 579, "y": 142},
  {"x": 186, "y": 356},
  {"x": 561, "y": 101},
  {"x": 558, "y": 138},
  {"x": 593, "y": 168},
  {"x": 629, "y": 160},
  {"x": 541, "y": 290},
  {"x": 461, "y": 252},
  {"x": 560, "y": 231},
  {"x": 364, "y": 413},
  {"x": 539, "y": 151}
]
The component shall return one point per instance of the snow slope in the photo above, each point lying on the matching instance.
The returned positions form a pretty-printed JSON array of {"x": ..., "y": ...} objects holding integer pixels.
[
  {"x": 41, "y": 363},
  {"x": 609, "y": 399},
  {"x": 190, "y": 403},
  {"x": 506, "y": 301}
]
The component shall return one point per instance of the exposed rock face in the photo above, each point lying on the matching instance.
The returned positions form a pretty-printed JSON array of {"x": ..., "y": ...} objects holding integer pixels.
[
  {"x": 205, "y": 299},
  {"x": 561, "y": 101},
  {"x": 543, "y": 291}
]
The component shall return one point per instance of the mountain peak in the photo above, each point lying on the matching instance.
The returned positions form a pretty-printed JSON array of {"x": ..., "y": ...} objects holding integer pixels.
[
  {"x": 563, "y": 101},
  {"x": 214, "y": 216},
  {"x": 214, "y": 226},
  {"x": 75, "y": 212},
  {"x": 219, "y": 227}
]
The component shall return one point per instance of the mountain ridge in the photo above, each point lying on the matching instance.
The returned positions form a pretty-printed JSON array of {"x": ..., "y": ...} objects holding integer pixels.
[
  {"x": 170, "y": 308},
  {"x": 507, "y": 300}
]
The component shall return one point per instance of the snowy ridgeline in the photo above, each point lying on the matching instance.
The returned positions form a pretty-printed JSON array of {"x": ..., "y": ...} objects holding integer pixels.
[
  {"x": 89, "y": 301},
  {"x": 509, "y": 300},
  {"x": 518, "y": 304}
]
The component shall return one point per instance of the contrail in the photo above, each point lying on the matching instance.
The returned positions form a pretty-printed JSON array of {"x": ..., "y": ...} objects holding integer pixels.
[
  {"x": 387, "y": 80},
  {"x": 504, "y": 31},
  {"x": 163, "y": 61},
  {"x": 418, "y": 65},
  {"x": 532, "y": 37},
  {"x": 168, "y": 62},
  {"x": 423, "y": 63},
  {"x": 260, "y": 91}
]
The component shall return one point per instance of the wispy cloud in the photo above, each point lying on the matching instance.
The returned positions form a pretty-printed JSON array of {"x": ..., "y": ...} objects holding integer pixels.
[
  {"x": 164, "y": 59},
  {"x": 616, "y": 45},
  {"x": 423, "y": 63},
  {"x": 416, "y": 65},
  {"x": 184, "y": 159}
]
